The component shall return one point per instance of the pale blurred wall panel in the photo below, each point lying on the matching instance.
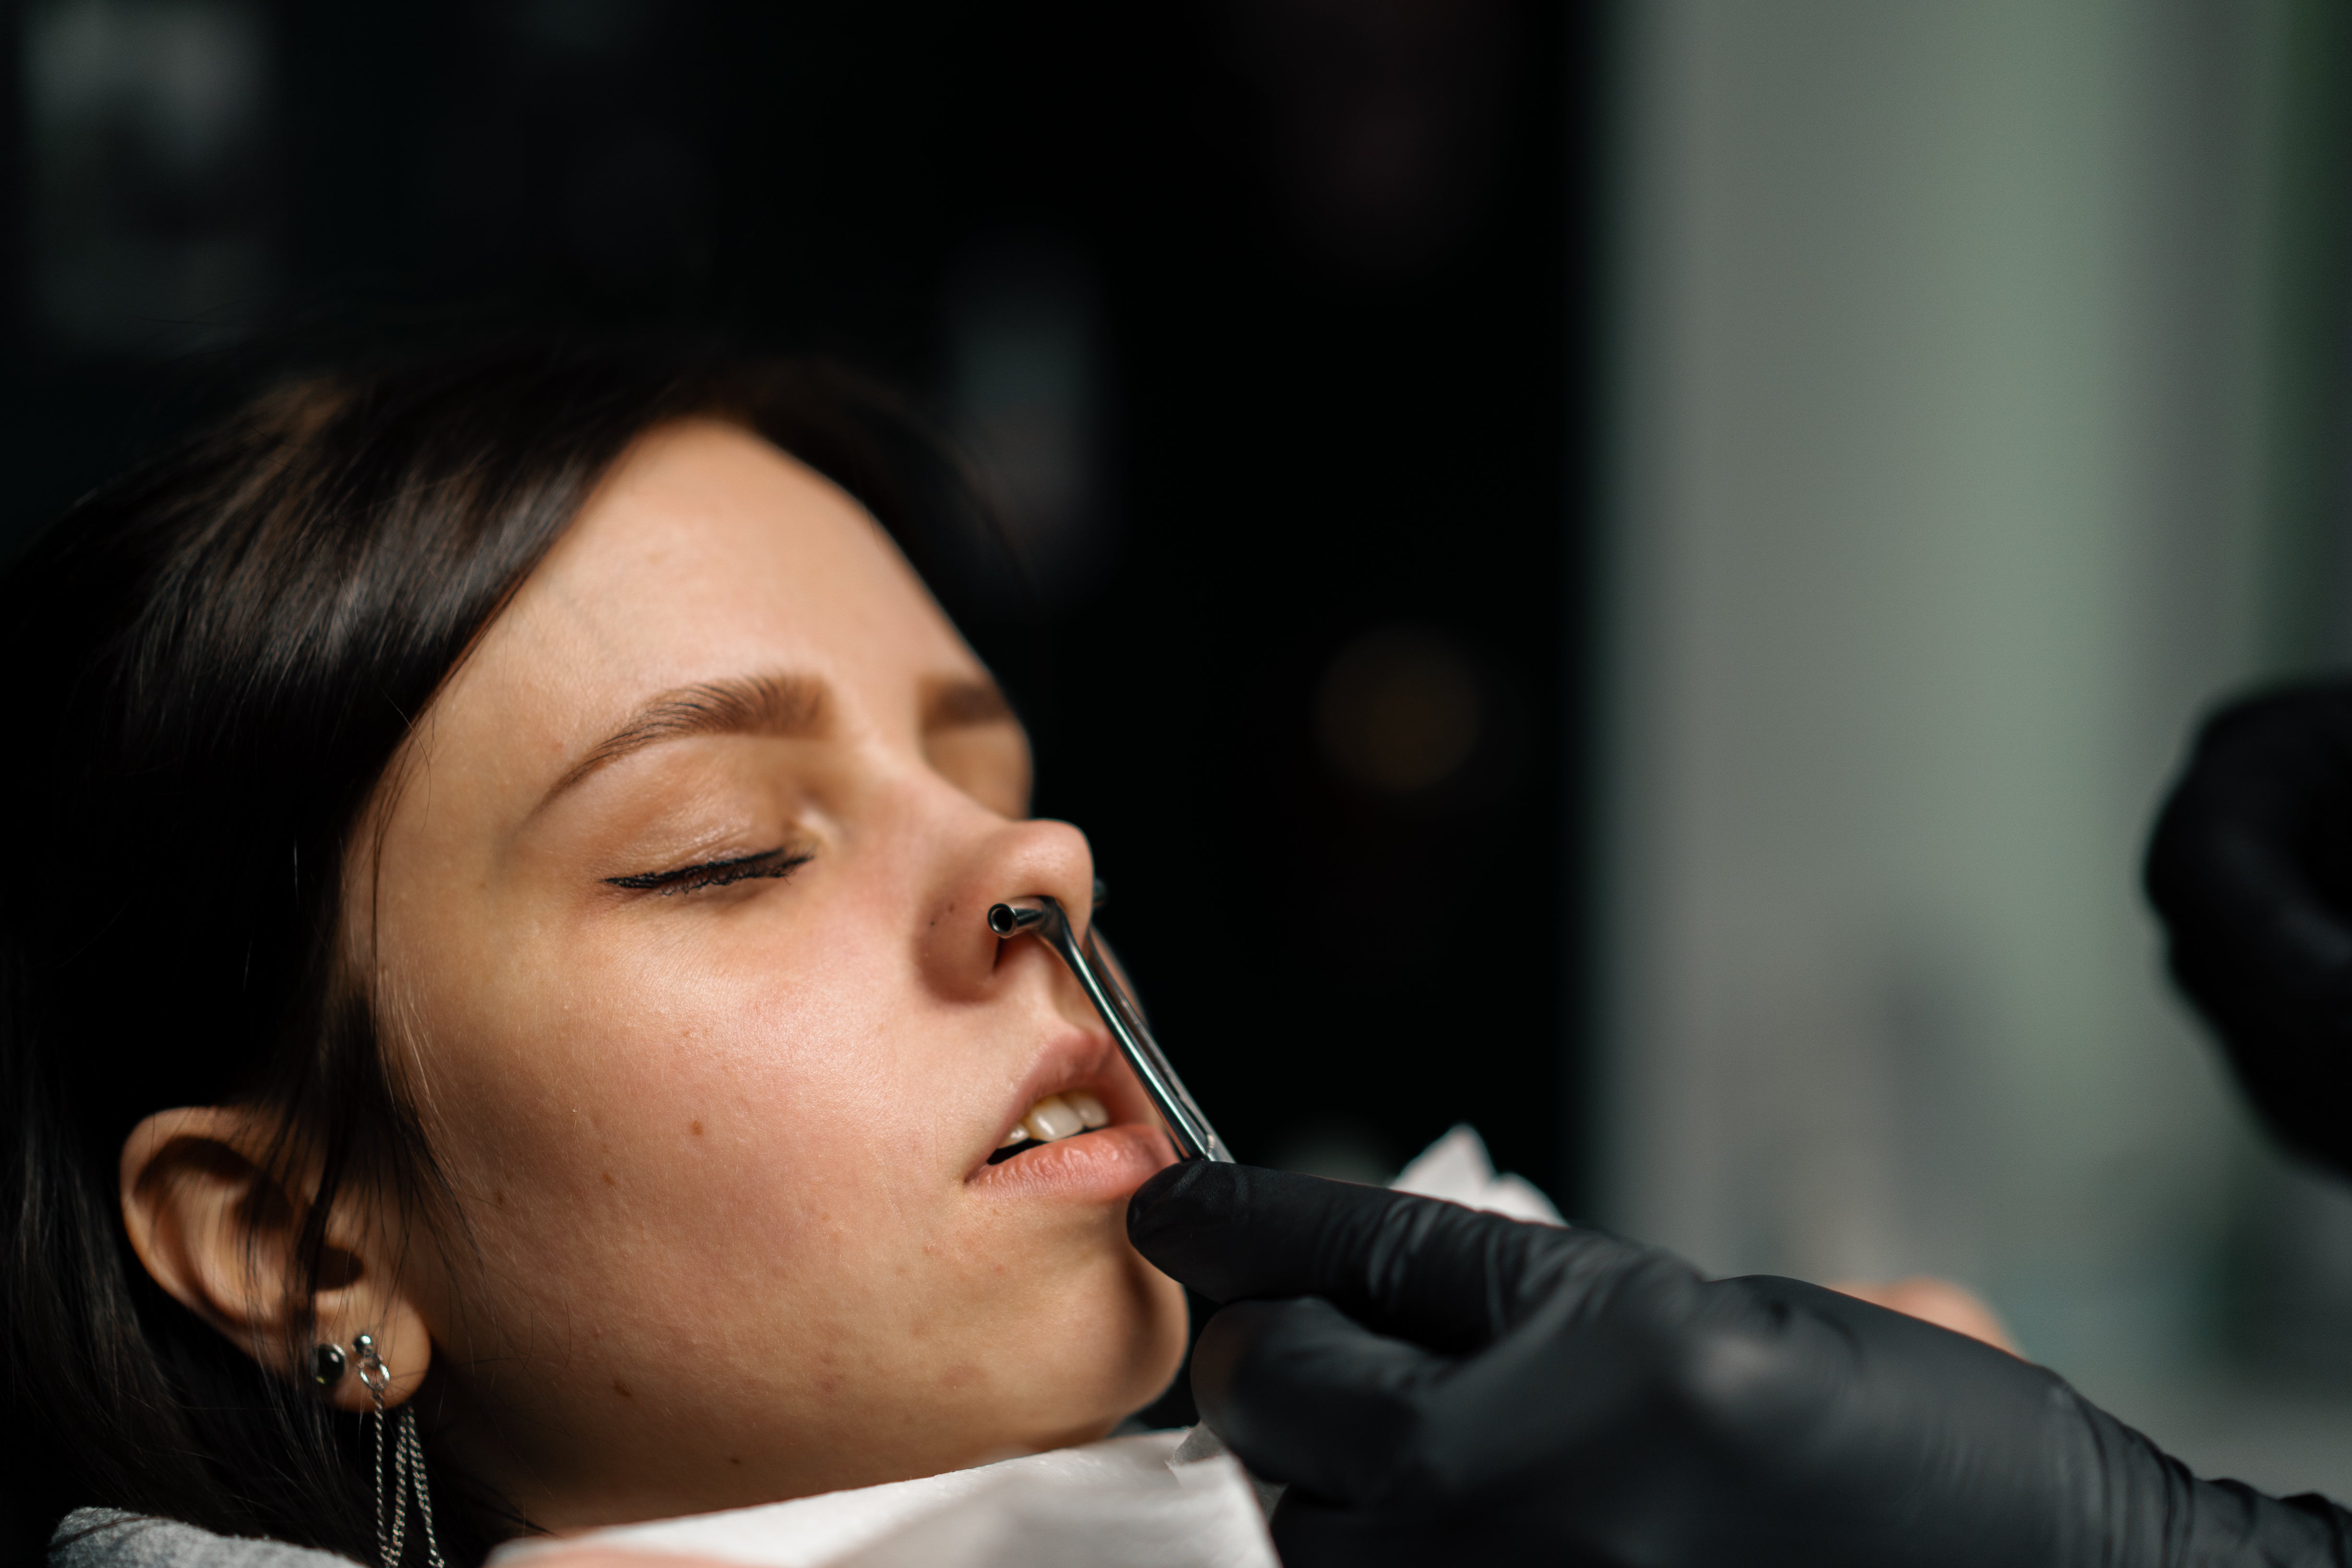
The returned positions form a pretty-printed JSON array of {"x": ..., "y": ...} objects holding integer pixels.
[{"x": 1939, "y": 386}]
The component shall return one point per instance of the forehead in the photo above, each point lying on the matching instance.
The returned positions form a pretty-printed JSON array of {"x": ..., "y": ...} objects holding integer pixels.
[{"x": 707, "y": 552}]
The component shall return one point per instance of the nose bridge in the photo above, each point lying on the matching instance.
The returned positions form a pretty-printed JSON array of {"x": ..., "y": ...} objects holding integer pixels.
[{"x": 977, "y": 858}]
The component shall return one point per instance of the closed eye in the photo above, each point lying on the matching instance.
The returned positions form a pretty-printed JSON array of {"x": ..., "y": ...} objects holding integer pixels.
[{"x": 775, "y": 863}]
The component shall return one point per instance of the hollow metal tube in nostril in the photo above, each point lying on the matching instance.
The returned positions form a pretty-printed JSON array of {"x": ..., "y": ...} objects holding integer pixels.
[
  {"x": 1097, "y": 975},
  {"x": 1010, "y": 920}
]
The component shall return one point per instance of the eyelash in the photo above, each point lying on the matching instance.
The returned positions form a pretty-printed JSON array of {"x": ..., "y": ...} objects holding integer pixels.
[{"x": 777, "y": 863}]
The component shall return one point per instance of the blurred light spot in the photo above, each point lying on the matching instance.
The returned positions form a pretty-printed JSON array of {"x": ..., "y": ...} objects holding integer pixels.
[
  {"x": 1399, "y": 711},
  {"x": 1026, "y": 393},
  {"x": 153, "y": 201},
  {"x": 1386, "y": 117}
]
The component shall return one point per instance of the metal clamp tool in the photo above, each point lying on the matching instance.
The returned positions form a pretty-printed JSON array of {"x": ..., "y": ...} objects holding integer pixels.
[{"x": 1091, "y": 960}]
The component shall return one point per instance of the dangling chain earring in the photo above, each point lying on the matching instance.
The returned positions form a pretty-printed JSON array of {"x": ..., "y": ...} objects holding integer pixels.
[{"x": 407, "y": 1456}]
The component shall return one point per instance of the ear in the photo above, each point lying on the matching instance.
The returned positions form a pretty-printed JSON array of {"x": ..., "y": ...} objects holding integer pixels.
[{"x": 218, "y": 1229}]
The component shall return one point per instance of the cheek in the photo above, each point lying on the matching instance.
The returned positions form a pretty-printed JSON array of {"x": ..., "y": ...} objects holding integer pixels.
[{"x": 733, "y": 1109}]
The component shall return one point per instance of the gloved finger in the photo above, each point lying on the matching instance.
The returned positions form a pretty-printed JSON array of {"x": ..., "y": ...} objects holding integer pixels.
[
  {"x": 1444, "y": 1277},
  {"x": 1305, "y": 1395}
]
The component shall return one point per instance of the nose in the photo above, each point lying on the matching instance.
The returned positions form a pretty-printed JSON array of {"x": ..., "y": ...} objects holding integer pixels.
[{"x": 1017, "y": 860}]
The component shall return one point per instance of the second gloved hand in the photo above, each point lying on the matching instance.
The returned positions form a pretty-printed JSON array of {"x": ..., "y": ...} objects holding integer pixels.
[
  {"x": 2251, "y": 867},
  {"x": 1439, "y": 1385}
]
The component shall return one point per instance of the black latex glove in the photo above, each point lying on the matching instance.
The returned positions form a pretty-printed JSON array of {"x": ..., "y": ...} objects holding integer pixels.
[
  {"x": 1441, "y": 1385},
  {"x": 2250, "y": 868}
]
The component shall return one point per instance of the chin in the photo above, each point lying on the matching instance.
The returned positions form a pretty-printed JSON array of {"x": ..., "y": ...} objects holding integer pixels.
[
  {"x": 1158, "y": 1348},
  {"x": 1137, "y": 1344}
]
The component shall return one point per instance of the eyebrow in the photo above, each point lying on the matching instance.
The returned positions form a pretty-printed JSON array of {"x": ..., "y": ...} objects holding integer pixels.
[
  {"x": 787, "y": 706},
  {"x": 954, "y": 702}
]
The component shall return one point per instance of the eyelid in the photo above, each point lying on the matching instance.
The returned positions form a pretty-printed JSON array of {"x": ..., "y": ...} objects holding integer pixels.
[{"x": 778, "y": 863}]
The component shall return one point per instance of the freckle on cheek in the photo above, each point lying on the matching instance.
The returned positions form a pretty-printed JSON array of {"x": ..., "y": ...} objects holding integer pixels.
[
  {"x": 622, "y": 1389},
  {"x": 695, "y": 1128},
  {"x": 608, "y": 1179}
]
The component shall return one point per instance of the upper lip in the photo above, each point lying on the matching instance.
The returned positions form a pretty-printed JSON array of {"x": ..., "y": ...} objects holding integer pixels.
[{"x": 1071, "y": 1059}]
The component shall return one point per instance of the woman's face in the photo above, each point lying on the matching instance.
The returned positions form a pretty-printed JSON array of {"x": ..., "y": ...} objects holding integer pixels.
[{"x": 680, "y": 920}]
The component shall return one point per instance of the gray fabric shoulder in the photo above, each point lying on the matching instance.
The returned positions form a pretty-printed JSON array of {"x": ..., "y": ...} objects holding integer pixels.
[{"x": 108, "y": 1538}]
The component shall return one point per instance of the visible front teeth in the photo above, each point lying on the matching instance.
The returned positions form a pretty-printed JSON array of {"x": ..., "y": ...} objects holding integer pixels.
[
  {"x": 1058, "y": 1116},
  {"x": 1053, "y": 1117}
]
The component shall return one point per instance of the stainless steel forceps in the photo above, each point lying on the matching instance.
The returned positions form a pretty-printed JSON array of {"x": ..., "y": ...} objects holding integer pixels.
[{"x": 1091, "y": 960}]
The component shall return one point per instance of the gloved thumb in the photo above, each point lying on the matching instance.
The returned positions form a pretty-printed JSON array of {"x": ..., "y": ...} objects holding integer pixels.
[{"x": 1449, "y": 1278}]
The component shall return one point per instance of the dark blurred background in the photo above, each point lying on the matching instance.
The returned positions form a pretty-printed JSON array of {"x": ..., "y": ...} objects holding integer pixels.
[{"x": 1264, "y": 319}]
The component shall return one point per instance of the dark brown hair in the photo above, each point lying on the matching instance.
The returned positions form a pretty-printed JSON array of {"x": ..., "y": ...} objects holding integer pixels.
[{"x": 216, "y": 660}]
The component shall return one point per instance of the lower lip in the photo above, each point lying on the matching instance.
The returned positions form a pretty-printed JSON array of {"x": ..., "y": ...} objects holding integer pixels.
[{"x": 1102, "y": 1166}]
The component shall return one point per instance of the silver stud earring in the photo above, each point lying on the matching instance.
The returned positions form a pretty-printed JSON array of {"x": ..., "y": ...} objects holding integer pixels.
[{"x": 406, "y": 1460}]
